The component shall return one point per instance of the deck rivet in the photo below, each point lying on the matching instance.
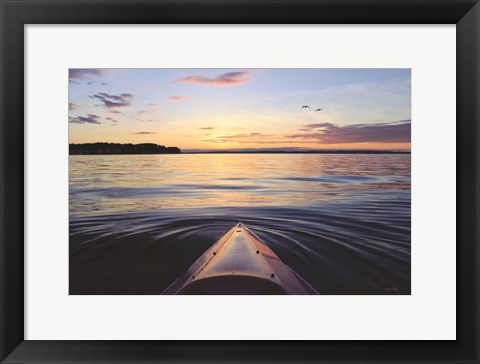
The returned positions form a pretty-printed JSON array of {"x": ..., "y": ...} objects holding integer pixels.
[
  {"x": 214, "y": 253},
  {"x": 258, "y": 252},
  {"x": 273, "y": 275}
]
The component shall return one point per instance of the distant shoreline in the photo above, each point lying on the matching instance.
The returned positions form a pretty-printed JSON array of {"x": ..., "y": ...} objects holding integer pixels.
[
  {"x": 303, "y": 152},
  {"x": 230, "y": 152}
]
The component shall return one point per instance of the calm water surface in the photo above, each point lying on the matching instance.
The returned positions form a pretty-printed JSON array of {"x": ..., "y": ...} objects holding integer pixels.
[{"x": 342, "y": 221}]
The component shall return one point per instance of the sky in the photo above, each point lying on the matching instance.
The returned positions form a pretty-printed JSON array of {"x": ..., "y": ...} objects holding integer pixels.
[{"x": 225, "y": 109}]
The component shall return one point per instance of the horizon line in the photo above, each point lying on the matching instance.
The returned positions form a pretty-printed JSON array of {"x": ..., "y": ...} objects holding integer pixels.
[{"x": 285, "y": 148}]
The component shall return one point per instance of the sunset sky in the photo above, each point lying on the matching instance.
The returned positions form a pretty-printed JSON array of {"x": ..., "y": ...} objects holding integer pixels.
[{"x": 242, "y": 108}]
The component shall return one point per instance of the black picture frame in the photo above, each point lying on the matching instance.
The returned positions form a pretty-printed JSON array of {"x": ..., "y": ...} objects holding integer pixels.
[{"x": 15, "y": 14}]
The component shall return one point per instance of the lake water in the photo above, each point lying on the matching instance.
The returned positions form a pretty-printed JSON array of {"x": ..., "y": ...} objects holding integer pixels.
[{"x": 341, "y": 221}]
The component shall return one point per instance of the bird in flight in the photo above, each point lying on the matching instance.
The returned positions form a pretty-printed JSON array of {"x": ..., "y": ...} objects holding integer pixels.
[
  {"x": 318, "y": 110},
  {"x": 305, "y": 107}
]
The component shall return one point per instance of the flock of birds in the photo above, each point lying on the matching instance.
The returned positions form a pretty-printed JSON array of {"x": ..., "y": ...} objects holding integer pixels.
[{"x": 308, "y": 107}]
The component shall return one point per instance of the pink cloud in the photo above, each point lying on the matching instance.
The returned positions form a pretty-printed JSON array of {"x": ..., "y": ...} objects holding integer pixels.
[
  {"x": 227, "y": 79},
  {"x": 178, "y": 98}
]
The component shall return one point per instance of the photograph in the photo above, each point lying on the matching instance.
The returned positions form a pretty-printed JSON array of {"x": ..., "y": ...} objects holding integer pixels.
[
  {"x": 318, "y": 159},
  {"x": 248, "y": 181}
]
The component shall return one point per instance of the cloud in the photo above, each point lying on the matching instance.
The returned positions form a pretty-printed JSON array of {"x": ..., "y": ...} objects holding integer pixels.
[
  {"x": 327, "y": 133},
  {"x": 143, "y": 133},
  {"x": 112, "y": 101},
  {"x": 227, "y": 79},
  {"x": 313, "y": 126},
  {"x": 144, "y": 116},
  {"x": 111, "y": 119},
  {"x": 238, "y": 138},
  {"x": 178, "y": 98},
  {"x": 115, "y": 112},
  {"x": 89, "y": 119},
  {"x": 73, "y": 106},
  {"x": 207, "y": 128},
  {"x": 76, "y": 74}
]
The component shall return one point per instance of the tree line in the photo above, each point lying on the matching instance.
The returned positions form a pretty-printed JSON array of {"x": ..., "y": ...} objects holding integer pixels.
[{"x": 117, "y": 148}]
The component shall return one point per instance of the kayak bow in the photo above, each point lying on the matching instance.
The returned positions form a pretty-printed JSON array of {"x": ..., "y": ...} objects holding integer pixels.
[{"x": 239, "y": 263}]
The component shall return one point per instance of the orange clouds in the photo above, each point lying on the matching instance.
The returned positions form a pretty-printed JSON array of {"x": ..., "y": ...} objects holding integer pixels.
[
  {"x": 178, "y": 98},
  {"x": 328, "y": 133}
]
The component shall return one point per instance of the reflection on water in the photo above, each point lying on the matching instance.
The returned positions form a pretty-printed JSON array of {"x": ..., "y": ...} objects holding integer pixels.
[{"x": 341, "y": 221}]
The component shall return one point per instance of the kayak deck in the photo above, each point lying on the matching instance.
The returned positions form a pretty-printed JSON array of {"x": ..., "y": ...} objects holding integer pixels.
[{"x": 239, "y": 263}]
